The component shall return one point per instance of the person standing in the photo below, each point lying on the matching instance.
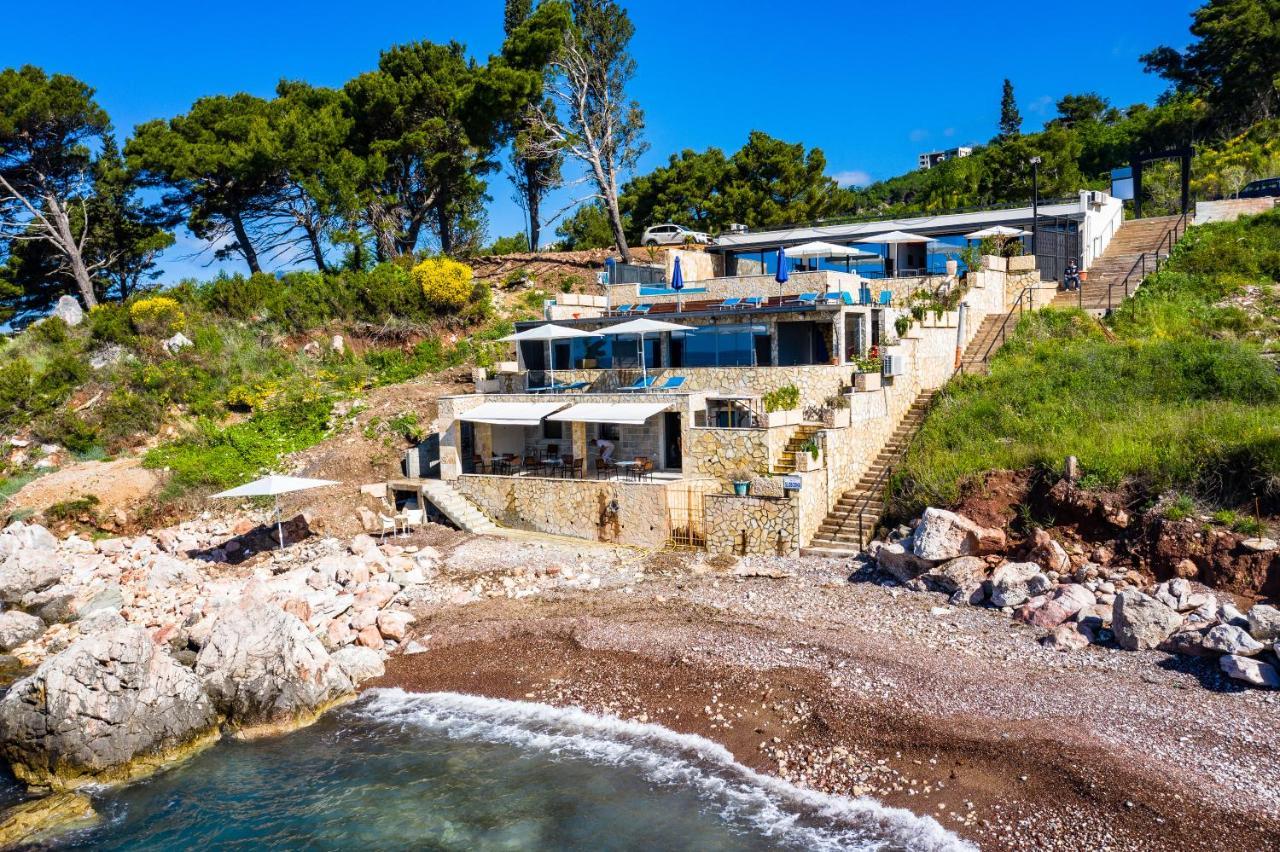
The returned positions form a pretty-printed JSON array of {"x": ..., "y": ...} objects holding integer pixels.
[{"x": 605, "y": 448}]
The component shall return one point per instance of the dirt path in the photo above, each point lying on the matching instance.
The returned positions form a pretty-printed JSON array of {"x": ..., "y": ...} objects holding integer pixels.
[
  {"x": 863, "y": 690},
  {"x": 119, "y": 484}
]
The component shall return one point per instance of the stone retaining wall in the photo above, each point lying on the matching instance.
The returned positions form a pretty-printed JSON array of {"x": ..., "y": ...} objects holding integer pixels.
[
  {"x": 579, "y": 508},
  {"x": 770, "y": 525}
]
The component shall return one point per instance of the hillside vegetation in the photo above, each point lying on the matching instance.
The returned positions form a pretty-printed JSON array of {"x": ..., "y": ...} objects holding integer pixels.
[
  {"x": 1173, "y": 391},
  {"x": 246, "y": 387}
]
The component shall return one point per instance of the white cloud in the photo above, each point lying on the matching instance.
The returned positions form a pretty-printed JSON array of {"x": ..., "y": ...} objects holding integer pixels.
[
  {"x": 852, "y": 177},
  {"x": 918, "y": 135},
  {"x": 1040, "y": 106}
]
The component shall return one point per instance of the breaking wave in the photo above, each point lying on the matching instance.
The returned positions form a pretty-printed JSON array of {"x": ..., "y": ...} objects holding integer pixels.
[{"x": 788, "y": 815}]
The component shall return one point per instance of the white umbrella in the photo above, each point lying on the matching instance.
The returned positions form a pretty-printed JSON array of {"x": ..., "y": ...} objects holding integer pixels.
[
  {"x": 641, "y": 327},
  {"x": 274, "y": 486},
  {"x": 819, "y": 248},
  {"x": 549, "y": 332},
  {"x": 894, "y": 238},
  {"x": 997, "y": 231}
]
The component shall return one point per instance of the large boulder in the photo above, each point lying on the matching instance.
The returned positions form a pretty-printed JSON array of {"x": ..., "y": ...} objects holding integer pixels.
[
  {"x": 265, "y": 671},
  {"x": 38, "y": 821},
  {"x": 68, "y": 310},
  {"x": 1140, "y": 621},
  {"x": 108, "y": 708},
  {"x": 28, "y": 570},
  {"x": 1250, "y": 670},
  {"x": 1047, "y": 553},
  {"x": 963, "y": 578},
  {"x": 1014, "y": 583},
  {"x": 1229, "y": 639},
  {"x": 19, "y": 536},
  {"x": 1264, "y": 623},
  {"x": 359, "y": 664},
  {"x": 943, "y": 535},
  {"x": 898, "y": 562},
  {"x": 18, "y": 627}
]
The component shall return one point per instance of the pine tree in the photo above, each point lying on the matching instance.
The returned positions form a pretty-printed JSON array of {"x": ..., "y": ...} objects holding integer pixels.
[{"x": 1010, "y": 118}]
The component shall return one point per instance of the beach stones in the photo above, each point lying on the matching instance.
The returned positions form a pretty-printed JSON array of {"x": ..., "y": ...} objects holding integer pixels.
[
  {"x": 1229, "y": 639},
  {"x": 1014, "y": 583},
  {"x": 110, "y": 706},
  {"x": 263, "y": 668},
  {"x": 1140, "y": 621},
  {"x": 1264, "y": 623}
]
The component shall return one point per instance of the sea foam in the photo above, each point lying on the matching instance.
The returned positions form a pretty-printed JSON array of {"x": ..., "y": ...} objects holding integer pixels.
[{"x": 789, "y": 815}]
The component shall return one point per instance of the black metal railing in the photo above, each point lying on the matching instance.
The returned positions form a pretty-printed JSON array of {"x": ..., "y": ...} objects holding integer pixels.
[
  {"x": 1147, "y": 263},
  {"x": 879, "y": 493},
  {"x": 1025, "y": 302}
]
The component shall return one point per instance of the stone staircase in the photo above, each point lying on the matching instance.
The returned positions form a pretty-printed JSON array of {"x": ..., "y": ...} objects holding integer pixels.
[
  {"x": 839, "y": 535},
  {"x": 787, "y": 464},
  {"x": 1133, "y": 239},
  {"x": 986, "y": 342},
  {"x": 456, "y": 508}
]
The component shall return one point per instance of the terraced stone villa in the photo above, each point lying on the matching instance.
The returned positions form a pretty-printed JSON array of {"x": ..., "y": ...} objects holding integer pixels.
[{"x": 758, "y": 415}]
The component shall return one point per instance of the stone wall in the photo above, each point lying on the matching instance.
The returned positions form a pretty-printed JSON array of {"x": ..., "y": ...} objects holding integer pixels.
[
  {"x": 740, "y": 286},
  {"x": 716, "y": 452},
  {"x": 760, "y": 525},
  {"x": 631, "y": 513},
  {"x": 816, "y": 382}
]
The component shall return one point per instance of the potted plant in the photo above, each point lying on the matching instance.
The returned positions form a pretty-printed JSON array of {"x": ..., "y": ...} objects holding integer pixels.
[
  {"x": 866, "y": 376},
  {"x": 741, "y": 479},
  {"x": 809, "y": 457}
]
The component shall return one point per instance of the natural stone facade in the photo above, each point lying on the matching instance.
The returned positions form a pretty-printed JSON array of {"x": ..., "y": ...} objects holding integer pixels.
[
  {"x": 751, "y": 524},
  {"x": 633, "y": 513}
]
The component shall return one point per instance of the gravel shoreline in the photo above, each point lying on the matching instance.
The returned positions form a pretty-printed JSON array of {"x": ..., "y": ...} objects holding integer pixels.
[{"x": 863, "y": 689}]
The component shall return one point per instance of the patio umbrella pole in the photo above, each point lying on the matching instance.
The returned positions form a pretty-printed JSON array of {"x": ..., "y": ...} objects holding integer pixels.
[{"x": 279, "y": 526}]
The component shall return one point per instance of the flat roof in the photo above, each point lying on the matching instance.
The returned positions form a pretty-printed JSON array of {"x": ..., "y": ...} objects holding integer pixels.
[{"x": 951, "y": 224}]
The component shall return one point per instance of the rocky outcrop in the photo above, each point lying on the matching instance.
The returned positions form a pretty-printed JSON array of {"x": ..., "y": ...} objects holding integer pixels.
[
  {"x": 1140, "y": 621},
  {"x": 963, "y": 579},
  {"x": 108, "y": 708},
  {"x": 18, "y": 627},
  {"x": 40, "y": 820},
  {"x": 359, "y": 664},
  {"x": 896, "y": 560},
  {"x": 943, "y": 535},
  {"x": 28, "y": 570},
  {"x": 266, "y": 672}
]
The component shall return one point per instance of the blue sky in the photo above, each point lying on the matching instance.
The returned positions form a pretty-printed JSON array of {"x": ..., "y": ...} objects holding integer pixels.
[{"x": 872, "y": 84}]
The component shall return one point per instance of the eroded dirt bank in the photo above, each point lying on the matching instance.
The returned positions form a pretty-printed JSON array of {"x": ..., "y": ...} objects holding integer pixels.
[{"x": 861, "y": 689}]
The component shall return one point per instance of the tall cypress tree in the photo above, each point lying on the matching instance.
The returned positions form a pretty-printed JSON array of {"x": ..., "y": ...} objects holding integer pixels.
[{"x": 1010, "y": 118}]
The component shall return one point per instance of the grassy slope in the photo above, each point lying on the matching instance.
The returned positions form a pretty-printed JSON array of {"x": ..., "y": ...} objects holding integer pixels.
[{"x": 1174, "y": 391}]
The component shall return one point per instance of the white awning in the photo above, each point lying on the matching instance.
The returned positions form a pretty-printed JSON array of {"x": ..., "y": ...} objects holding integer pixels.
[
  {"x": 625, "y": 413},
  {"x": 510, "y": 413}
]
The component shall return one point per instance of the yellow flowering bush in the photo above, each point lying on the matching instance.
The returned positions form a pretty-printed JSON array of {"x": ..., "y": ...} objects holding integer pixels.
[
  {"x": 445, "y": 283},
  {"x": 157, "y": 315}
]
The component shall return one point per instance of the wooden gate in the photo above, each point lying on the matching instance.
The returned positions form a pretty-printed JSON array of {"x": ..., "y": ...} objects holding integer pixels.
[{"x": 685, "y": 516}]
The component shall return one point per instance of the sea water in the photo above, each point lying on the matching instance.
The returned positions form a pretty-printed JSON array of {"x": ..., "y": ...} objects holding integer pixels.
[{"x": 399, "y": 770}]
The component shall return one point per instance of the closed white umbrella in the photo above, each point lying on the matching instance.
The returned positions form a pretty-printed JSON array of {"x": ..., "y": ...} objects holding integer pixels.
[
  {"x": 274, "y": 486},
  {"x": 547, "y": 333},
  {"x": 641, "y": 327}
]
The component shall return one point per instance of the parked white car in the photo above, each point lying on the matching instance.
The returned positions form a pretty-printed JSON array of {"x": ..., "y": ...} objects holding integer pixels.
[{"x": 672, "y": 235}]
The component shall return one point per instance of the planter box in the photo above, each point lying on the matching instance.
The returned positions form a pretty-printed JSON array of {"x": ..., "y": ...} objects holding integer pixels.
[
  {"x": 836, "y": 418},
  {"x": 1022, "y": 263},
  {"x": 806, "y": 463},
  {"x": 773, "y": 419},
  {"x": 867, "y": 381}
]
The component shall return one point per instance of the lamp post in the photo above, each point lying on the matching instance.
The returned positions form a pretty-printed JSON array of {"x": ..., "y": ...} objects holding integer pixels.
[{"x": 1035, "y": 206}]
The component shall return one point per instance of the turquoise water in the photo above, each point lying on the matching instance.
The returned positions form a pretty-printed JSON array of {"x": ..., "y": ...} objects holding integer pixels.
[{"x": 451, "y": 772}]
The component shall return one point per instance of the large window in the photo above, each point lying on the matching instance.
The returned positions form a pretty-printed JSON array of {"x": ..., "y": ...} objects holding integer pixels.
[{"x": 719, "y": 346}]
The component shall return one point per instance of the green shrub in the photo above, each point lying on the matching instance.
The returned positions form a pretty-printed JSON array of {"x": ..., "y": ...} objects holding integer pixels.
[
  {"x": 157, "y": 316},
  {"x": 66, "y": 428},
  {"x": 240, "y": 297},
  {"x": 110, "y": 323},
  {"x": 70, "y": 510},
  {"x": 17, "y": 391},
  {"x": 53, "y": 331},
  {"x": 786, "y": 398},
  {"x": 125, "y": 415},
  {"x": 1180, "y": 508},
  {"x": 446, "y": 284}
]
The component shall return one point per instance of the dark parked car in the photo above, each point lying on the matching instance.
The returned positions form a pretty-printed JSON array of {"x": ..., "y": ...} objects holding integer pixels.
[{"x": 1265, "y": 188}]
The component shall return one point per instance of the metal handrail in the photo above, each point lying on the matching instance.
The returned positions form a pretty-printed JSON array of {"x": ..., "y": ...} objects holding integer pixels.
[
  {"x": 878, "y": 487},
  {"x": 1176, "y": 231},
  {"x": 1025, "y": 302}
]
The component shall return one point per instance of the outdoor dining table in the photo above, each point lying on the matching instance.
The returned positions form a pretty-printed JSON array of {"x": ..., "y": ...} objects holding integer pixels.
[{"x": 627, "y": 467}]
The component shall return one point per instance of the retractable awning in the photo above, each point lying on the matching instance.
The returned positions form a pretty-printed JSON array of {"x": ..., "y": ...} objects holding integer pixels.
[
  {"x": 510, "y": 413},
  {"x": 624, "y": 413}
]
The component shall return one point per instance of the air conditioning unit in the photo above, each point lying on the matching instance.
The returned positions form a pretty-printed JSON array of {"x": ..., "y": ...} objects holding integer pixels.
[
  {"x": 1096, "y": 199},
  {"x": 737, "y": 228},
  {"x": 602, "y": 278},
  {"x": 894, "y": 365}
]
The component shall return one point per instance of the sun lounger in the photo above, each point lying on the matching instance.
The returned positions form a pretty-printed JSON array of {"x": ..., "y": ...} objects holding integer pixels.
[
  {"x": 575, "y": 386},
  {"x": 886, "y": 297},
  {"x": 671, "y": 383},
  {"x": 640, "y": 384},
  {"x": 729, "y": 304},
  {"x": 804, "y": 299},
  {"x": 641, "y": 309},
  {"x": 753, "y": 301},
  {"x": 622, "y": 309}
]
